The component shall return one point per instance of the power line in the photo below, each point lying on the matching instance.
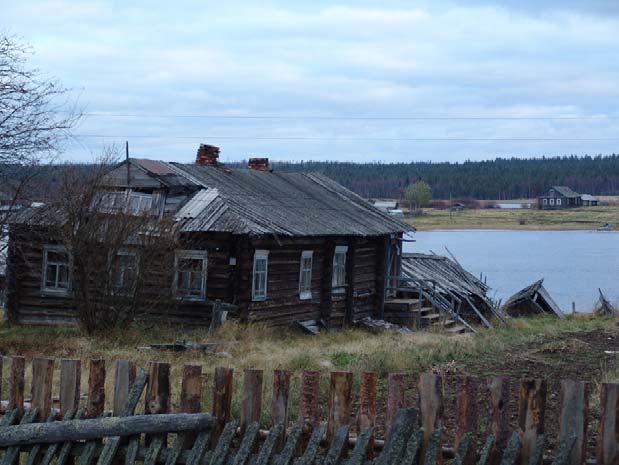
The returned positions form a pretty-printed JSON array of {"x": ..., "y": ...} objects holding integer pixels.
[
  {"x": 364, "y": 139},
  {"x": 352, "y": 118}
]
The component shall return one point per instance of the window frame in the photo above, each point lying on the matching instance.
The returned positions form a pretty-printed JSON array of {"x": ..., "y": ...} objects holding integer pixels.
[
  {"x": 142, "y": 196},
  {"x": 552, "y": 201},
  {"x": 558, "y": 201},
  {"x": 114, "y": 290},
  {"x": 261, "y": 296},
  {"x": 545, "y": 201},
  {"x": 335, "y": 283},
  {"x": 306, "y": 294},
  {"x": 185, "y": 254},
  {"x": 56, "y": 290}
]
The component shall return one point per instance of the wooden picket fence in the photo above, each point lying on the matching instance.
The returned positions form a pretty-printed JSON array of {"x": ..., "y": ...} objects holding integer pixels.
[{"x": 80, "y": 429}]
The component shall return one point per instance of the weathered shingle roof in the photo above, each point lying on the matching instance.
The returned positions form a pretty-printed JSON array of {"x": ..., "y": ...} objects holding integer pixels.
[
  {"x": 566, "y": 191},
  {"x": 288, "y": 204}
]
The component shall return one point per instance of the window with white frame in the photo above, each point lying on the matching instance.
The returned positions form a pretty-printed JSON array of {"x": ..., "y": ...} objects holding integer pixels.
[
  {"x": 140, "y": 202},
  {"x": 552, "y": 201},
  {"x": 260, "y": 275},
  {"x": 339, "y": 266},
  {"x": 56, "y": 277},
  {"x": 305, "y": 275},
  {"x": 124, "y": 272},
  {"x": 558, "y": 201},
  {"x": 113, "y": 201},
  {"x": 190, "y": 274},
  {"x": 545, "y": 201}
]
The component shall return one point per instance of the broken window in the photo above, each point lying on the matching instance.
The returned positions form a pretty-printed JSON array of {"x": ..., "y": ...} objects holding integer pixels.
[
  {"x": 305, "y": 275},
  {"x": 56, "y": 270},
  {"x": 339, "y": 266},
  {"x": 124, "y": 272},
  {"x": 190, "y": 277},
  {"x": 259, "y": 278},
  {"x": 140, "y": 203}
]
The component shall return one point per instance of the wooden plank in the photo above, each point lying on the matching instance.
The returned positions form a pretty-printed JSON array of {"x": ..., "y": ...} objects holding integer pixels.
[
  {"x": 248, "y": 444},
  {"x": 152, "y": 453},
  {"x": 340, "y": 394},
  {"x": 574, "y": 417},
  {"x": 270, "y": 444},
  {"x": 251, "y": 401},
  {"x": 70, "y": 384},
  {"x": 191, "y": 395},
  {"x": 222, "y": 400},
  {"x": 1, "y": 374},
  {"x": 531, "y": 413},
  {"x": 16, "y": 383},
  {"x": 433, "y": 452},
  {"x": 498, "y": 390},
  {"x": 512, "y": 450},
  {"x": 430, "y": 408},
  {"x": 96, "y": 389},
  {"x": 279, "y": 404},
  {"x": 35, "y": 451},
  {"x": 360, "y": 452},
  {"x": 11, "y": 455},
  {"x": 401, "y": 430},
  {"x": 309, "y": 455},
  {"x": 467, "y": 388},
  {"x": 338, "y": 445},
  {"x": 41, "y": 389},
  {"x": 124, "y": 376},
  {"x": 396, "y": 391},
  {"x": 157, "y": 399},
  {"x": 65, "y": 449},
  {"x": 54, "y": 448},
  {"x": 220, "y": 454},
  {"x": 95, "y": 428},
  {"x": 199, "y": 448},
  {"x": 366, "y": 417},
  {"x": 411, "y": 453},
  {"x": 607, "y": 447},
  {"x": 309, "y": 396}
]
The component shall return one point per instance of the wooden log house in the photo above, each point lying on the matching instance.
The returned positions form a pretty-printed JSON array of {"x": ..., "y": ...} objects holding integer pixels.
[{"x": 282, "y": 247}]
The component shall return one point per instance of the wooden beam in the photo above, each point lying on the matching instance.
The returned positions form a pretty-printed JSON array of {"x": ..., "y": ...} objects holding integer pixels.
[
  {"x": 308, "y": 403},
  {"x": 467, "y": 389},
  {"x": 430, "y": 409},
  {"x": 41, "y": 389},
  {"x": 396, "y": 392},
  {"x": 70, "y": 385},
  {"x": 191, "y": 396},
  {"x": 279, "y": 404},
  {"x": 16, "y": 383},
  {"x": 222, "y": 400},
  {"x": 498, "y": 390},
  {"x": 366, "y": 417},
  {"x": 96, "y": 389},
  {"x": 574, "y": 417},
  {"x": 96, "y": 428},
  {"x": 251, "y": 403},
  {"x": 531, "y": 414},
  {"x": 607, "y": 450},
  {"x": 124, "y": 378}
]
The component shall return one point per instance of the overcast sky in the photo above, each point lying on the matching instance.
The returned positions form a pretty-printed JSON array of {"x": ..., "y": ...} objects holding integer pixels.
[{"x": 327, "y": 69}]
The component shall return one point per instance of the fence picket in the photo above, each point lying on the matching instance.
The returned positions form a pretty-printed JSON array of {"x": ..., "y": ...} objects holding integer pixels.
[
  {"x": 41, "y": 388},
  {"x": 340, "y": 393},
  {"x": 430, "y": 409},
  {"x": 467, "y": 389},
  {"x": 531, "y": 413},
  {"x": 16, "y": 383},
  {"x": 222, "y": 400},
  {"x": 396, "y": 391},
  {"x": 96, "y": 389},
  {"x": 70, "y": 384},
  {"x": 573, "y": 417},
  {"x": 608, "y": 429},
  {"x": 124, "y": 377},
  {"x": 251, "y": 403},
  {"x": 498, "y": 390}
]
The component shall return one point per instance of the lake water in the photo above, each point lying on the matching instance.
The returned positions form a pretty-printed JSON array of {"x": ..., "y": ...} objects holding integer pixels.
[{"x": 574, "y": 264}]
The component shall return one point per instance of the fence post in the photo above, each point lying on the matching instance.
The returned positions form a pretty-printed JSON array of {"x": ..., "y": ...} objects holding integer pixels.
[
  {"x": 251, "y": 403},
  {"x": 279, "y": 403},
  {"x": 573, "y": 417},
  {"x": 96, "y": 389},
  {"x": 41, "y": 389},
  {"x": 124, "y": 377},
  {"x": 222, "y": 400},
  {"x": 531, "y": 413},
  {"x": 367, "y": 407},
  {"x": 16, "y": 383},
  {"x": 1, "y": 372},
  {"x": 340, "y": 392},
  {"x": 308, "y": 403},
  {"x": 157, "y": 399},
  {"x": 498, "y": 388},
  {"x": 396, "y": 391},
  {"x": 430, "y": 409},
  {"x": 191, "y": 396},
  {"x": 608, "y": 429},
  {"x": 70, "y": 384},
  {"x": 467, "y": 389}
]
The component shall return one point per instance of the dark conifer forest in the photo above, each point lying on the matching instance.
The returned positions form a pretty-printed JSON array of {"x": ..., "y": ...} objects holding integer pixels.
[{"x": 502, "y": 178}]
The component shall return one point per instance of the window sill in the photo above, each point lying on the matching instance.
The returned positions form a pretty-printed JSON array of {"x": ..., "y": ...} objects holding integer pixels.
[
  {"x": 305, "y": 296},
  {"x": 259, "y": 299},
  {"x": 55, "y": 293},
  {"x": 183, "y": 298},
  {"x": 338, "y": 290}
]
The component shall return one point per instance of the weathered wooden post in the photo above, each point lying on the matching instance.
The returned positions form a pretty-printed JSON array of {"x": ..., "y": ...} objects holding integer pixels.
[
  {"x": 366, "y": 417},
  {"x": 607, "y": 449},
  {"x": 573, "y": 417},
  {"x": 70, "y": 384},
  {"x": 498, "y": 389},
  {"x": 1, "y": 373},
  {"x": 16, "y": 383},
  {"x": 340, "y": 393},
  {"x": 157, "y": 398},
  {"x": 467, "y": 389},
  {"x": 124, "y": 377},
  {"x": 430, "y": 410},
  {"x": 96, "y": 389},
  {"x": 251, "y": 403},
  {"x": 41, "y": 389},
  {"x": 222, "y": 400},
  {"x": 396, "y": 398},
  {"x": 531, "y": 413},
  {"x": 191, "y": 396},
  {"x": 308, "y": 403},
  {"x": 279, "y": 403}
]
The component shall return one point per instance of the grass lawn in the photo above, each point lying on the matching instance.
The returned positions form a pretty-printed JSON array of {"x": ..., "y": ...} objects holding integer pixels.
[{"x": 493, "y": 218}]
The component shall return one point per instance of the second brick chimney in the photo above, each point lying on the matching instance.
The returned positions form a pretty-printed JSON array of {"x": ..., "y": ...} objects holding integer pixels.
[
  {"x": 207, "y": 155},
  {"x": 258, "y": 164}
]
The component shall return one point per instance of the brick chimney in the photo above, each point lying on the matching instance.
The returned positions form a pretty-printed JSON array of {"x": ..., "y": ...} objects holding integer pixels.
[
  {"x": 258, "y": 164},
  {"x": 207, "y": 155}
]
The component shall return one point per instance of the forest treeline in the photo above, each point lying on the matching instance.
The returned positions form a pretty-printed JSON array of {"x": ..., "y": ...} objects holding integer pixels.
[{"x": 499, "y": 179}]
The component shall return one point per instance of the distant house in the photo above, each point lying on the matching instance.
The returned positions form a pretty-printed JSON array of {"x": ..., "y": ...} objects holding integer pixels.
[
  {"x": 589, "y": 200},
  {"x": 386, "y": 205},
  {"x": 560, "y": 197},
  {"x": 281, "y": 247}
]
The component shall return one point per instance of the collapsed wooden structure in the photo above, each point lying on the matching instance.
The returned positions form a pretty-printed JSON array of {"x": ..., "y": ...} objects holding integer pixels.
[
  {"x": 603, "y": 307},
  {"x": 434, "y": 289},
  {"x": 46, "y": 435},
  {"x": 532, "y": 300}
]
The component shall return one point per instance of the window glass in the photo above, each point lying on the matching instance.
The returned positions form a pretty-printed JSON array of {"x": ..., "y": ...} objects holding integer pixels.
[
  {"x": 305, "y": 275},
  {"x": 259, "y": 280},
  {"x": 191, "y": 274},
  {"x": 124, "y": 272},
  {"x": 56, "y": 277},
  {"x": 339, "y": 266}
]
